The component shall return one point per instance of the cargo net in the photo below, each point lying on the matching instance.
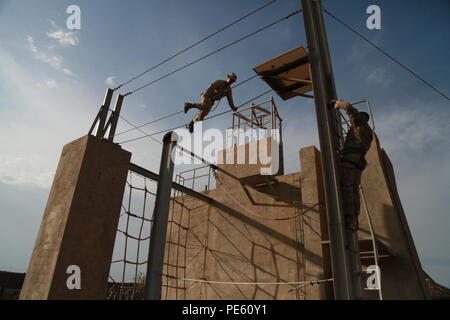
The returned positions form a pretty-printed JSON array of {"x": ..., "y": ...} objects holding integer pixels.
[
  {"x": 130, "y": 256},
  {"x": 127, "y": 273},
  {"x": 188, "y": 249}
]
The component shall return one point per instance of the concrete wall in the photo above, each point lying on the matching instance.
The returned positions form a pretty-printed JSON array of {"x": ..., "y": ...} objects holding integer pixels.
[
  {"x": 205, "y": 243},
  {"x": 401, "y": 275},
  {"x": 245, "y": 159},
  {"x": 314, "y": 227},
  {"x": 80, "y": 221}
]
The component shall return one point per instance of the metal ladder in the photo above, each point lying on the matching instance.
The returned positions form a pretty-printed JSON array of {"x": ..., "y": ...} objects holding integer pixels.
[{"x": 374, "y": 241}]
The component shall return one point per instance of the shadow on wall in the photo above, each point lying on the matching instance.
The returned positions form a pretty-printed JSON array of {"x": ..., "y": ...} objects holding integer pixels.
[{"x": 228, "y": 244}]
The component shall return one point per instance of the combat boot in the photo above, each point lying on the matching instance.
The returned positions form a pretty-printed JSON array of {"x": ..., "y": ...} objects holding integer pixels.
[{"x": 191, "y": 126}]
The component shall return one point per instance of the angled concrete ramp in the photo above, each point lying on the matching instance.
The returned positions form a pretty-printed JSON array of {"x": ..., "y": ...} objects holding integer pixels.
[{"x": 401, "y": 273}]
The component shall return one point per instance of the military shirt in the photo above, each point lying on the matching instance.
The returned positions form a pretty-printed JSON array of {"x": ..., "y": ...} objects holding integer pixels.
[
  {"x": 359, "y": 135},
  {"x": 219, "y": 89}
]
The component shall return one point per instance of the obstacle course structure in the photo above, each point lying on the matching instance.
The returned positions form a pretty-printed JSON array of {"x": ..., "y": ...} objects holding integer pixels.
[{"x": 254, "y": 236}]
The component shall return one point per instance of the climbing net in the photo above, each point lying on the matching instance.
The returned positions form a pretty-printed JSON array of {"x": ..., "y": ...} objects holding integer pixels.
[
  {"x": 130, "y": 257},
  {"x": 185, "y": 243},
  {"x": 127, "y": 273}
]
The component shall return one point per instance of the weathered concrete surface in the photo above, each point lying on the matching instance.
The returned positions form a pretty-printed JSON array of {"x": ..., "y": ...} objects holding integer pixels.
[
  {"x": 402, "y": 274},
  {"x": 209, "y": 244},
  {"x": 214, "y": 245},
  {"x": 80, "y": 221},
  {"x": 245, "y": 160},
  {"x": 314, "y": 225}
]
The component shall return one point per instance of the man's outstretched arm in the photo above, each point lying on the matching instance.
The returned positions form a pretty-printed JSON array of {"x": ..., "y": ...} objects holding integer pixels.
[
  {"x": 352, "y": 112},
  {"x": 230, "y": 101}
]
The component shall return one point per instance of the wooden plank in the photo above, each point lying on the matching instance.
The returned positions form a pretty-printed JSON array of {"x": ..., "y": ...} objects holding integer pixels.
[{"x": 293, "y": 64}]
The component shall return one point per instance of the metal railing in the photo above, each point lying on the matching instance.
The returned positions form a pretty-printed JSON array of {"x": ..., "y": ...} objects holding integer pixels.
[
  {"x": 193, "y": 178},
  {"x": 345, "y": 122},
  {"x": 263, "y": 115},
  {"x": 373, "y": 239}
]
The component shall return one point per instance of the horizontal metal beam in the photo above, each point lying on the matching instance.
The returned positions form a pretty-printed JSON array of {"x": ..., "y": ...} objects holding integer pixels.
[
  {"x": 155, "y": 177},
  {"x": 257, "y": 106},
  {"x": 253, "y": 105},
  {"x": 237, "y": 114}
]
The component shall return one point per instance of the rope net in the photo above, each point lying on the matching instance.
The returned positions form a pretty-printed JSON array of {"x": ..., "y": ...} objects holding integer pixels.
[
  {"x": 127, "y": 273},
  {"x": 252, "y": 250},
  {"x": 129, "y": 262}
]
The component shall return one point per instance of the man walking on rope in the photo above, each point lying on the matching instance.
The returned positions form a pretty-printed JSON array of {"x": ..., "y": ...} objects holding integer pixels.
[
  {"x": 216, "y": 91},
  {"x": 353, "y": 162}
]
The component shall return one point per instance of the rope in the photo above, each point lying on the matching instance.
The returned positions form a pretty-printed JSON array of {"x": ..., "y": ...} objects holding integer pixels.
[
  {"x": 299, "y": 283},
  {"x": 184, "y": 125},
  {"x": 242, "y": 104},
  {"x": 129, "y": 262},
  {"x": 312, "y": 282},
  {"x": 139, "y": 239},
  {"x": 214, "y": 52},
  {"x": 147, "y": 123},
  {"x": 255, "y": 214},
  {"x": 124, "y": 259},
  {"x": 175, "y": 113},
  {"x": 142, "y": 131},
  {"x": 194, "y": 44},
  {"x": 385, "y": 53}
]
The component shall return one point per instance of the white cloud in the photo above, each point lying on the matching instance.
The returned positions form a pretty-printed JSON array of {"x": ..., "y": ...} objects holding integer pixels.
[
  {"x": 64, "y": 38},
  {"x": 67, "y": 72},
  {"x": 49, "y": 83},
  {"x": 379, "y": 76},
  {"x": 24, "y": 169},
  {"x": 110, "y": 81},
  {"x": 31, "y": 145},
  {"x": 52, "y": 60},
  {"x": 412, "y": 130}
]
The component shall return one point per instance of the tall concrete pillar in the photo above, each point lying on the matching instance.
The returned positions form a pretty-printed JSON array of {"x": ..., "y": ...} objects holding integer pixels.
[{"x": 79, "y": 223}]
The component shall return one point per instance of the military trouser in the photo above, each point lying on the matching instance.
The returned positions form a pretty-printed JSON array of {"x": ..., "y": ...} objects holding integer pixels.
[
  {"x": 350, "y": 181},
  {"x": 204, "y": 106}
]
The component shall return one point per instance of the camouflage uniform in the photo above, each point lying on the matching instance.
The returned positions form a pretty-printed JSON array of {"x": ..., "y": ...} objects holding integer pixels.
[
  {"x": 356, "y": 145},
  {"x": 216, "y": 91}
]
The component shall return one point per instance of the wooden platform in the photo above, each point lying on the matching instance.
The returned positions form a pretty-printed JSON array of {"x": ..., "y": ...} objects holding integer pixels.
[{"x": 288, "y": 74}]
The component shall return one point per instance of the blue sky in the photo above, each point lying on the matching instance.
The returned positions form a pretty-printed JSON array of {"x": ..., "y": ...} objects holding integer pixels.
[{"x": 52, "y": 82}]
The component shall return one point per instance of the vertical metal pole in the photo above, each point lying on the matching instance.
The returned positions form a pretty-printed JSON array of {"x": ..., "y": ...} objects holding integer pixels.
[
  {"x": 104, "y": 113},
  {"x": 153, "y": 279},
  {"x": 324, "y": 92},
  {"x": 352, "y": 243},
  {"x": 115, "y": 117},
  {"x": 274, "y": 125}
]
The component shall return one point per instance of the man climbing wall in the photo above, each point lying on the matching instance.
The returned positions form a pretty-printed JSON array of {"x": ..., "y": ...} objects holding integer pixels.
[{"x": 353, "y": 162}]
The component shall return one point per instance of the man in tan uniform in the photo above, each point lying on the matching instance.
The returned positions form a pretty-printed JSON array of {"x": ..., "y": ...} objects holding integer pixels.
[
  {"x": 353, "y": 162},
  {"x": 216, "y": 91}
]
